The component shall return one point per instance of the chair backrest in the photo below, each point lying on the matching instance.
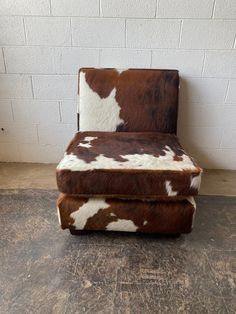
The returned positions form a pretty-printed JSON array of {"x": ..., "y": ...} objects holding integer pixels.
[{"x": 132, "y": 100}]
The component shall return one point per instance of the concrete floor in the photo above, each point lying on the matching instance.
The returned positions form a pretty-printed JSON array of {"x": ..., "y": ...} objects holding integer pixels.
[
  {"x": 42, "y": 176},
  {"x": 44, "y": 269}
]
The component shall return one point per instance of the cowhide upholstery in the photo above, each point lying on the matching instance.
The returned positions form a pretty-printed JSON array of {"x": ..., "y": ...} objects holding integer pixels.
[
  {"x": 78, "y": 213},
  {"x": 121, "y": 164},
  {"x": 125, "y": 169},
  {"x": 132, "y": 100}
]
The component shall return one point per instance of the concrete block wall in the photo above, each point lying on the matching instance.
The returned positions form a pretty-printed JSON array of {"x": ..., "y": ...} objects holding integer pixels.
[{"x": 44, "y": 42}]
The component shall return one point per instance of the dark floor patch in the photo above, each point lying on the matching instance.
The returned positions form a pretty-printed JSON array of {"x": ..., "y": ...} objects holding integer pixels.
[{"x": 46, "y": 270}]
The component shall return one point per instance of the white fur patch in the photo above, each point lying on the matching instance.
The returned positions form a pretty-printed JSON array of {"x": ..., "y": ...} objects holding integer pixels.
[
  {"x": 169, "y": 189},
  {"x": 86, "y": 211},
  {"x": 59, "y": 216},
  {"x": 87, "y": 139},
  {"x": 122, "y": 225},
  {"x": 135, "y": 161},
  {"x": 192, "y": 201},
  {"x": 121, "y": 70},
  {"x": 196, "y": 181},
  {"x": 97, "y": 114}
]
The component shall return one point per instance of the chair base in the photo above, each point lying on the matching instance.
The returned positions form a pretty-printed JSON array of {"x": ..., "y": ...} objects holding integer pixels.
[
  {"x": 82, "y": 215},
  {"x": 86, "y": 232},
  {"x": 79, "y": 232}
]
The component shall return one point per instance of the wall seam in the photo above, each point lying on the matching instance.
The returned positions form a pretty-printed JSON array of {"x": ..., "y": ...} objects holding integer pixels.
[
  {"x": 4, "y": 60},
  {"x": 203, "y": 64},
  {"x": 25, "y": 35},
  {"x": 59, "y": 108},
  {"x": 32, "y": 86},
  {"x": 180, "y": 34},
  {"x": 71, "y": 36},
  {"x": 125, "y": 33},
  {"x": 213, "y": 9},
  {"x": 157, "y": 8},
  {"x": 50, "y": 7}
]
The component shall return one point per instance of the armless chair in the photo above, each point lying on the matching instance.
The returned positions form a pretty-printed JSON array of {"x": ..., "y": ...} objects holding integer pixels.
[{"x": 125, "y": 169}]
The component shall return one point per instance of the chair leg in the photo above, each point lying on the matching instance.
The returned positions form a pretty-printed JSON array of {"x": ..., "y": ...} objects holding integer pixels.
[
  {"x": 176, "y": 235},
  {"x": 78, "y": 232}
]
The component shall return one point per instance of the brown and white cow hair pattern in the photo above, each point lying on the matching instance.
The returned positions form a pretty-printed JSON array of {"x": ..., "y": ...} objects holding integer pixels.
[
  {"x": 191, "y": 200},
  {"x": 169, "y": 189},
  {"x": 123, "y": 151},
  {"x": 91, "y": 208},
  {"x": 131, "y": 100},
  {"x": 59, "y": 215},
  {"x": 122, "y": 162},
  {"x": 99, "y": 114},
  {"x": 128, "y": 216},
  {"x": 87, "y": 141},
  {"x": 196, "y": 181},
  {"x": 122, "y": 225},
  {"x": 133, "y": 161},
  {"x": 87, "y": 210}
]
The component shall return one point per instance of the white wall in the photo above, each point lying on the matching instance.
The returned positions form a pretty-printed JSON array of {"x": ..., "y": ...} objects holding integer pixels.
[{"x": 44, "y": 42}]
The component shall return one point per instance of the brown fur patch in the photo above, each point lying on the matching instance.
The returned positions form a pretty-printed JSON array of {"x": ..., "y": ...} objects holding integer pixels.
[
  {"x": 148, "y": 98},
  {"x": 151, "y": 216}
]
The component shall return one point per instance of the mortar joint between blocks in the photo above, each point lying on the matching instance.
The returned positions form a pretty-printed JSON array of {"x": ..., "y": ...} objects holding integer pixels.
[{"x": 4, "y": 60}]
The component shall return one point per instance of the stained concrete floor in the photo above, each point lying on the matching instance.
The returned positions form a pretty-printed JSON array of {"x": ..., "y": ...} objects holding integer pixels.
[
  {"x": 45, "y": 270},
  {"x": 42, "y": 176}
]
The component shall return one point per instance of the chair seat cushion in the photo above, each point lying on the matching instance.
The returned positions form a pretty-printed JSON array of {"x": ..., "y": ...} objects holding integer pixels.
[
  {"x": 78, "y": 213},
  {"x": 120, "y": 164}
]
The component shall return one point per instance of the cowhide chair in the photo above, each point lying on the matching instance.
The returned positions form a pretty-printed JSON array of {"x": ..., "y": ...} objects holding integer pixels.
[{"x": 125, "y": 169}]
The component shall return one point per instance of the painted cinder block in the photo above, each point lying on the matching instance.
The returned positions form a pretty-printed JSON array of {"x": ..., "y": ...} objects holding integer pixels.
[
  {"x": 68, "y": 109},
  {"x": 125, "y": 58},
  {"x": 22, "y": 86},
  {"x": 69, "y": 59},
  {"x": 208, "y": 34},
  {"x": 35, "y": 111},
  {"x": 220, "y": 63},
  {"x": 2, "y": 65},
  {"x": 26, "y": 7},
  {"x": 75, "y": 7},
  {"x": 43, "y": 153},
  {"x": 199, "y": 90},
  {"x": 128, "y": 8},
  {"x": 50, "y": 43},
  {"x": 188, "y": 62},
  {"x": 56, "y": 134},
  {"x": 220, "y": 158},
  {"x": 98, "y": 32},
  {"x": 55, "y": 87},
  {"x": 49, "y": 60},
  {"x": 192, "y": 114},
  {"x": 229, "y": 138},
  {"x": 207, "y": 137},
  {"x": 29, "y": 60},
  {"x": 185, "y": 8},
  {"x": 6, "y": 114},
  {"x": 48, "y": 31},
  {"x": 18, "y": 133},
  {"x": 150, "y": 33},
  {"x": 225, "y": 9},
  {"x": 229, "y": 116},
  {"x": 231, "y": 95},
  {"x": 12, "y": 30},
  {"x": 9, "y": 152}
]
